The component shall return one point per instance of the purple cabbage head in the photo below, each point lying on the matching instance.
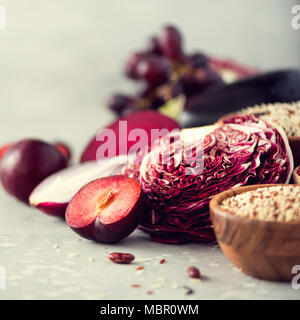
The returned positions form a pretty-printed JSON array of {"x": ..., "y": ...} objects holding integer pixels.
[{"x": 243, "y": 151}]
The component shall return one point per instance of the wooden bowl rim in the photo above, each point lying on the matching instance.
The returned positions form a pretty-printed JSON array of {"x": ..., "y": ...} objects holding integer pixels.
[
  {"x": 295, "y": 174},
  {"x": 215, "y": 209},
  {"x": 294, "y": 138}
]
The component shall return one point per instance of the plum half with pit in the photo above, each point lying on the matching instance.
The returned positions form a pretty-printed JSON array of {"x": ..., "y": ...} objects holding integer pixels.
[
  {"x": 107, "y": 209},
  {"x": 26, "y": 163}
]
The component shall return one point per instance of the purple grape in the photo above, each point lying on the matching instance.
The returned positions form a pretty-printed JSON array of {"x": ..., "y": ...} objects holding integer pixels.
[
  {"x": 153, "y": 69},
  {"x": 118, "y": 103},
  {"x": 145, "y": 90},
  {"x": 153, "y": 46},
  {"x": 201, "y": 81},
  {"x": 132, "y": 63},
  {"x": 198, "y": 60},
  {"x": 26, "y": 164},
  {"x": 170, "y": 42}
]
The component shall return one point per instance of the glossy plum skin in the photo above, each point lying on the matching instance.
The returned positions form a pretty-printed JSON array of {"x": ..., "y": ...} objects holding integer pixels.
[
  {"x": 64, "y": 149},
  {"x": 26, "y": 164},
  {"x": 111, "y": 233},
  {"x": 98, "y": 229},
  {"x": 3, "y": 150},
  {"x": 170, "y": 42}
]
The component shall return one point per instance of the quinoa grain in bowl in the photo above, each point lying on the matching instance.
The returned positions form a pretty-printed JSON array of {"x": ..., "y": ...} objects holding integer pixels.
[
  {"x": 276, "y": 203},
  {"x": 258, "y": 229},
  {"x": 287, "y": 115}
]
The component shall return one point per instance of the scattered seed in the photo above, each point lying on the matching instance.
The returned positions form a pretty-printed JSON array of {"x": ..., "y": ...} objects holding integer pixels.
[
  {"x": 91, "y": 259},
  {"x": 135, "y": 285},
  {"x": 139, "y": 268},
  {"x": 162, "y": 261},
  {"x": 193, "y": 272},
  {"x": 188, "y": 290},
  {"x": 72, "y": 254},
  {"x": 55, "y": 246},
  {"x": 118, "y": 257},
  {"x": 149, "y": 292},
  {"x": 175, "y": 285}
]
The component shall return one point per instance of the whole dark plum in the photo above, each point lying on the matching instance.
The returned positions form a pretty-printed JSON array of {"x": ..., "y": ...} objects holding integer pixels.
[{"x": 26, "y": 164}]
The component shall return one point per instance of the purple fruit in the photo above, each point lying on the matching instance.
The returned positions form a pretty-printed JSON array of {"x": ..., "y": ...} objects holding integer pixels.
[
  {"x": 54, "y": 193},
  {"x": 153, "y": 46},
  {"x": 153, "y": 69},
  {"x": 201, "y": 81},
  {"x": 118, "y": 103},
  {"x": 64, "y": 149},
  {"x": 107, "y": 209},
  {"x": 198, "y": 60},
  {"x": 132, "y": 63},
  {"x": 170, "y": 42},
  {"x": 26, "y": 164}
]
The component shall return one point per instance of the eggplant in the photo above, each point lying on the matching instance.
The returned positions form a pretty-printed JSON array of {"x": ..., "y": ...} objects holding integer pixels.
[{"x": 270, "y": 87}]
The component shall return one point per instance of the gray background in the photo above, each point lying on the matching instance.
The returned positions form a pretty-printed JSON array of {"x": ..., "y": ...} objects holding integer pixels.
[{"x": 59, "y": 62}]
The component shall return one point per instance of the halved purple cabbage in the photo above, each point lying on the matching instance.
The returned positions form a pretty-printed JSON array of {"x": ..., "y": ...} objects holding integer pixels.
[{"x": 245, "y": 150}]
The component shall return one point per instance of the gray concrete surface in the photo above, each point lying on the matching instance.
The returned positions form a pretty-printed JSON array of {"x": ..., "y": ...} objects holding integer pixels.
[{"x": 59, "y": 61}]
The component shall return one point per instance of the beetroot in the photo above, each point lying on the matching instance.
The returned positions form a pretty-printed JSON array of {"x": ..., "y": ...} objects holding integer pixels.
[
  {"x": 146, "y": 120},
  {"x": 26, "y": 164}
]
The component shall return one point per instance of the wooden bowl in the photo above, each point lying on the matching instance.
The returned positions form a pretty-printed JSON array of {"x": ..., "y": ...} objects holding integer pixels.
[
  {"x": 296, "y": 176},
  {"x": 295, "y": 147},
  {"x": 261, "y": 249},
  {"x": 293, "y": 141}
]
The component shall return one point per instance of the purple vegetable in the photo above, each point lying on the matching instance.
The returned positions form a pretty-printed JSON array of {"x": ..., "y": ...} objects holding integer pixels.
[
  {"x": 26, "y": 164},
  {"x": 211, "y": 105},
  {"x": 243, "y": 151}
]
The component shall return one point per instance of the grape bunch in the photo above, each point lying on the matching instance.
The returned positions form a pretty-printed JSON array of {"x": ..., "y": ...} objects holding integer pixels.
[{"x": 164, "y": 71}]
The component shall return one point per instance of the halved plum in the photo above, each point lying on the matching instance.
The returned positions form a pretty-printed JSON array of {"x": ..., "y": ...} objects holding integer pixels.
[{"x": 107, "y": 209}]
